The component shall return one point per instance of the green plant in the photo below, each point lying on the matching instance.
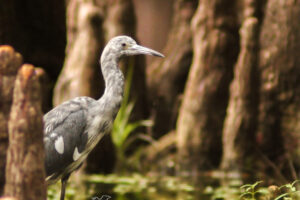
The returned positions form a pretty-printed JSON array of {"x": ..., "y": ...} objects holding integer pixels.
[
  {"x": 291, "y": 191},
  {"x": 122, "y": 127},
  {"x": 250, "y": 191}
]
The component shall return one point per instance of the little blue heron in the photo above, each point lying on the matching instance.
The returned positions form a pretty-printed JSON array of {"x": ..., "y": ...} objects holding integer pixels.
[{"x": 72, "y": 129}]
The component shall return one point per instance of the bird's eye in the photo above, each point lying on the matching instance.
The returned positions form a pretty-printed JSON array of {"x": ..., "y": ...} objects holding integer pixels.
[{"x": 123, "y": 44}]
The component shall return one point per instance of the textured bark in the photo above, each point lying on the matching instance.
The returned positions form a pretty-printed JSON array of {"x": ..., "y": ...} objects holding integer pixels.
[
  {"x": 36, "y": 29},
  {"x": 241, "y": 119},
  {"x": 201, "y": 115},
  {"x": 166, "y": 77},
  {"x": 10, "y": 61},
  {"x": 120, "y": 18},
  {"x": 25, "y": 173},
  {"x": 279, "y": 128},
  {"x": 81, "y": 74}
]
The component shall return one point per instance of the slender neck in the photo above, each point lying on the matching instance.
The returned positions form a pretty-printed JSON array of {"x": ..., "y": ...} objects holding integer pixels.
[{"x": 114, "y": 81}]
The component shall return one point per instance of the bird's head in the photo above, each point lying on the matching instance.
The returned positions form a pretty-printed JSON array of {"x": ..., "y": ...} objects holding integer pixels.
[{"x": 126, "y": 46}]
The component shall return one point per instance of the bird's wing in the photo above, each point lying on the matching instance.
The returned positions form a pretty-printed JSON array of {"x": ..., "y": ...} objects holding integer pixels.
[
  {"x": 59, "y": 114},
  {"x": 65, "y": 133}
]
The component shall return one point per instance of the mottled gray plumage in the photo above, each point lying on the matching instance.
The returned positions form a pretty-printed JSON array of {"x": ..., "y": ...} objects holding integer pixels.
[{"x": 73, "y": 128}]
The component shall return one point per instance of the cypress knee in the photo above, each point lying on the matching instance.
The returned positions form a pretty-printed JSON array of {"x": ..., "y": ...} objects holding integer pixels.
[{"x": 25, "y": 172}]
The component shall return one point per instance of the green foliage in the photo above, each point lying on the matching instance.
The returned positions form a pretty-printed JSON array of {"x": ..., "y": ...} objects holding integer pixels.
[
  {"x": 139, "y": 187},
  {"x": 122, "y": 127},
  {"x": 286, "y": 192},
  {"x": 137, "y": 183},
  {"x": 229, "y": 191},
  {"x": 291, "y": 191},
  {"x": 53, "y": 192},
  {"x": 250, "y": 191}
]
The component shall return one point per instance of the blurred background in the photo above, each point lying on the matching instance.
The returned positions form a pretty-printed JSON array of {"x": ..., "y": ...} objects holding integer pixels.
[{"x": 222, "y": 109}]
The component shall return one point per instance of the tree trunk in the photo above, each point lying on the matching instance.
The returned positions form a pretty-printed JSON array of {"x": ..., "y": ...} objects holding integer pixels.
[
  {"x": 279, "y": 112},
  {"x": 120, "y": 18},
  {"x": 10, "y": 61},
  {"x": 201, "y": 115},
  {"x": 166, "y": 77},
  {"x": 81, "y": 73},
  {"x": 241, "y": 119},
  {"x": 25, "y": 171}
]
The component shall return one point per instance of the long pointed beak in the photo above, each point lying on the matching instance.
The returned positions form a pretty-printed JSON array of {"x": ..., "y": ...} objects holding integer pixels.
[{"x": 138, "y": 49}]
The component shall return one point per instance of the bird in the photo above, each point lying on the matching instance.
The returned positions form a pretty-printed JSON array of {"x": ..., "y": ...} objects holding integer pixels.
[{"x": 73, "y": 128}]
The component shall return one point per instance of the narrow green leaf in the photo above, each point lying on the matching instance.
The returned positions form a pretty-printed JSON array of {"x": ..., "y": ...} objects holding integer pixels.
[{"x": 281, "y": 196}]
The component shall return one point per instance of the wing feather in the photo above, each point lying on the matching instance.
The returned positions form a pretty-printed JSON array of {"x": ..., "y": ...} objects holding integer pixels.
[
  {"x": 67, "y": 122},
  {"x": 59, "y": 114}
]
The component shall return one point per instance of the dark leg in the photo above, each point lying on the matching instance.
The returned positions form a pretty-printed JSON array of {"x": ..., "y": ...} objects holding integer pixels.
[{"x": 64, "y": 181}]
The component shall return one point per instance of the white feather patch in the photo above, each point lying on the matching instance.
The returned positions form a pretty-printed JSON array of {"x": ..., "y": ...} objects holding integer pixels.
[
  {"x": 48, "y": 129},
  {"x": 59, "y": 145},
  {"x": 53, "y": 135},
  {"x": 76, "y": 154}
]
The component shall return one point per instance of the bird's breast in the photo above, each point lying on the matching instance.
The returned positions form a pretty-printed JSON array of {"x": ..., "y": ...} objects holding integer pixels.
[{"x": 97, "y": 129}]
